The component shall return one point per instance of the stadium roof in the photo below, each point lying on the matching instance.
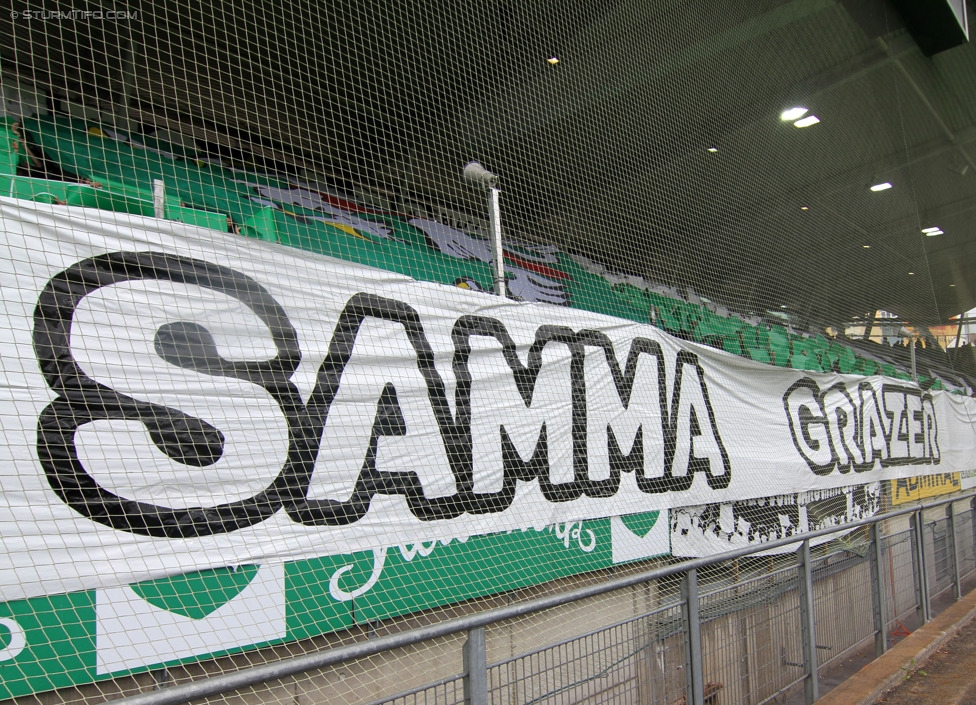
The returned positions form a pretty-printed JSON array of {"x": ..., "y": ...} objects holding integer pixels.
[{"x": 655, "y": 143}]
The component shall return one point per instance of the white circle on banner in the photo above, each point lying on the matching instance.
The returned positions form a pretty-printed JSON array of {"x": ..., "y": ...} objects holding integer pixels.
[{"x": 18, "y": 640}]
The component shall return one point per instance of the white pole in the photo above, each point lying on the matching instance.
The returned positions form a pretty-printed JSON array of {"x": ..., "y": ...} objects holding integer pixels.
[
  {"x": 497, "y": 252},
  {"x": 159, "y": 198},
  {"x": 476, "y": 175},
  {"x": 914, "y": 367}
]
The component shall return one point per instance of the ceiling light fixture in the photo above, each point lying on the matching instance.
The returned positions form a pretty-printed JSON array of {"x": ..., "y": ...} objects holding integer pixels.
[
  {"x": 934, "y": 233},
  {"x": 881, "y": 187},
  {"x": 952, "y": 285},
  {"x": 793, "y": 114},
  {"x": 804, "y": 208},
  {"x": 930, "y": 230},
  {"x": 553, "y": 60},
  {"x": 807, "y": 121},
  {"x": 866, "y": 247},
  {"x": 911, "y": 274},
  {"x": 713, "y": 149}
]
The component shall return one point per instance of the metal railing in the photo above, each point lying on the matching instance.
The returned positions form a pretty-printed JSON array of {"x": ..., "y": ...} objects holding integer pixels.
[{"x": 786, "y": 624}]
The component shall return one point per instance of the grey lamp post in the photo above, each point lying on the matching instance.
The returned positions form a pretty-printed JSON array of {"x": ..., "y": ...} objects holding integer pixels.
[{"x": 476, "y": 174}]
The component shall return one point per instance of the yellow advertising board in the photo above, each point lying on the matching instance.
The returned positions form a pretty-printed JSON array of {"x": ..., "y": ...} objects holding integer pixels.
[{"x": 913, "y": 489}]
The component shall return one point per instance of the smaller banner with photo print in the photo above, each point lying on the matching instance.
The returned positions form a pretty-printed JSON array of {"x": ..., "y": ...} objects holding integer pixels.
[{"x": 718, "y": 528}]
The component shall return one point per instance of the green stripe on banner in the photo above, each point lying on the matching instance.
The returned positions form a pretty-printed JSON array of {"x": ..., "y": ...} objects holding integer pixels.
[
  {"x": 436, "y": 573},
  {"x": 46, "y": 643},
  {"x": 50, "y": 642}
]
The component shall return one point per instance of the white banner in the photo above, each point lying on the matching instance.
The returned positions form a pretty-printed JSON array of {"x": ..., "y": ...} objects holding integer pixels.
[
  {"x": 968, "y": 478},
  {"x": 176, "y": 399}
]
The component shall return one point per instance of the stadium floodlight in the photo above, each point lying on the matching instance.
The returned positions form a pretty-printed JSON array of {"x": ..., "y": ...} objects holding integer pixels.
[
  {"x": 476, "y": 175},
  {"x": 793, "y": 114}
]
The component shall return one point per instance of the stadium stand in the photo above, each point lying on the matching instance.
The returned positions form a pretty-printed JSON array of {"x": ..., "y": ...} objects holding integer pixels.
[
  {"x": 224, "y": 451},
  {"x": 100, "y": 167}
]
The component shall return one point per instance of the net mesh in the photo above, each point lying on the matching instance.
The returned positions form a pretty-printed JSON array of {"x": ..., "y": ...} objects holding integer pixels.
[{"x": 260, "y": 398}]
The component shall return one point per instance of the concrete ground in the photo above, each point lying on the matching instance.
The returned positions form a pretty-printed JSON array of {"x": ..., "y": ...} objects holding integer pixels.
[
  {"x": 947, "y": 678},
  {"x": 929, "y": 666}
]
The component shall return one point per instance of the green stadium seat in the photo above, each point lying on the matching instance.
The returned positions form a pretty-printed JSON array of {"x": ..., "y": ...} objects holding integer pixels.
[
  {"x": 800, "y": 345},
  {"x": 731, "y": 344},
  {"x": 750, "y": 337},
  {"x": 690, "y": 316},
  {"x": 759, "y": 355},
  {"x": 731, "y": 326},
  {"x": 668, "y": 319},
  {"x": 49, "y": 191},
  {"x": 779, "y": 336},
  {"x": 724, "y": 332},
  {"x": 866, "y": 367},
  {"x": 805, "y": 360},
  {"x": 779, "y": 346},
  {"x": 812, "y": 355},
  {"x": 708, "y": 326},
  {"x": 715, "y": 330},
  {"x": 195, "y": 216},
  {"x": 655, "y": 299},
  {"x": 820, "y": 342},
  {"x": 846, "y": 359},
  {"x": 630, "y": 294},
  {"x": 11, "y": 151},
  {"x": 829, "y": 359},
  {"x": 762, "y": 335}
]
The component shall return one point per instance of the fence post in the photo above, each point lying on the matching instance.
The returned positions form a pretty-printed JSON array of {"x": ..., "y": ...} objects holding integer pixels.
[
  {"x": 475, "y": 668},
  {"x": 972, "y": 523},
  {"x": 694, "y": 677},
  {"x": 808, "y": 628},
  {"x": 919, "y": 567},
  {"x": 953, "y": 553},
  {"x": 878, "y": 594}
]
